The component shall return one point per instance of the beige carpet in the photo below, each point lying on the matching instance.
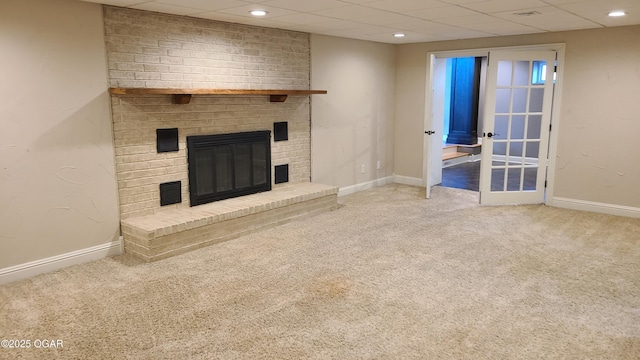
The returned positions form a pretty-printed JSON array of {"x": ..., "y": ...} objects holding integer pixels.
[{"x": 389, "y": 275}]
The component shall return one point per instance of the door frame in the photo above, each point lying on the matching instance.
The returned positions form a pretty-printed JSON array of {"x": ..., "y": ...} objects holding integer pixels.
[{"x": 559, "y": 48}]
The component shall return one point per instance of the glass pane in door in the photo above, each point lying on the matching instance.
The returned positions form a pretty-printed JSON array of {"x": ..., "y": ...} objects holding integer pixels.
[
  {"x": 517, "y": 127},
  {"x": 513, "y": 179},
  {"x": 534, "y": 125},
  {"x": 497, "y": 179},
  {"x": 530, "y": 177},
  {"x": 535, "y": 99},
  {"x": 520, "y": 100},
  {"x": 504, "y": 73},
  {"x": 521, "y": 73}
]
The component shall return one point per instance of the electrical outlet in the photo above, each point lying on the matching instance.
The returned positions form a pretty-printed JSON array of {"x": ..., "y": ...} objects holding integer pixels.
[
  {"x": 362, "y": 168},
  {"x": 378, "y": 165}
]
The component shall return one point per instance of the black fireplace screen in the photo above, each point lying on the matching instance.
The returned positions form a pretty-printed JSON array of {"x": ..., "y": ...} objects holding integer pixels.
[{"x": 228, "y": 165}]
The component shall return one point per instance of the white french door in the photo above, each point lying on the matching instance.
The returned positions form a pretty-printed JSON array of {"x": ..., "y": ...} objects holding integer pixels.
[
  {"x": 517, "y": 115},
  {"x": 432, "y": 146}
]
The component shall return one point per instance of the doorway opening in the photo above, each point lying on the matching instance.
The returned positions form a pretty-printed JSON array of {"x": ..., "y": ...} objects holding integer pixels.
[
  {"x": 459, "y": 103},
  {"x": 498, "y": 113}
]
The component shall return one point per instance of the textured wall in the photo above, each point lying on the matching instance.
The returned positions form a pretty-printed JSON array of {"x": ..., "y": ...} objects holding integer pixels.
[
  {"x": 353, "y": 124},
  {"x": 153, "y": 50},
  {"x": 57, "y": 177}
]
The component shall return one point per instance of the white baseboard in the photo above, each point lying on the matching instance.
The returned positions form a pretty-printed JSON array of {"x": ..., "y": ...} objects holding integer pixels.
[
  {"x": 455, "y": 161},
  {"x": 57, "y": 262},
  {"x": 406, "y": 180},
  {"x": 347, "y": 190},
  {"x": 596, "y": 207},
  {"x": 460, "y": 160}
]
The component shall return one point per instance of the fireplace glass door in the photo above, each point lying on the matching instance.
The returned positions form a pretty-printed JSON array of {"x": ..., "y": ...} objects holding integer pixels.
[{"x": 228, "y": 165}]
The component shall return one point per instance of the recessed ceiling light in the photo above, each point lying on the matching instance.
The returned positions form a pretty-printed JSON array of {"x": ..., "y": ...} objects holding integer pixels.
[
  {"x": 258, "y": 12},
  {"x": 398, "y": 35},
  {"x": 617, "y": 13}
]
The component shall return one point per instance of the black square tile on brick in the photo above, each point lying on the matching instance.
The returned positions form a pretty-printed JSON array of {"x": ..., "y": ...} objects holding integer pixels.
[
  {"x": 280, "y": 131},
  {"x": 167, "y": 140},
  {"x": 282, "y": 173},
  {"x": 170, "y": 193}
]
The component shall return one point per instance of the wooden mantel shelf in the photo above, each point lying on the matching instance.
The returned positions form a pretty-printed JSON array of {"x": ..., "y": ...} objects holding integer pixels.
[{"x": 183, "y": 96}]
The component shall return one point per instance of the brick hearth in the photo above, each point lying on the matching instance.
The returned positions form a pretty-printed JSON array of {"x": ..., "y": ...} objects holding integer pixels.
[{"x": 170, "y": 233}]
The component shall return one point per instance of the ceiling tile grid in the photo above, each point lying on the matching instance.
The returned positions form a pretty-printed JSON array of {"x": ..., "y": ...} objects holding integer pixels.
[{"x": 419, "y": 20}]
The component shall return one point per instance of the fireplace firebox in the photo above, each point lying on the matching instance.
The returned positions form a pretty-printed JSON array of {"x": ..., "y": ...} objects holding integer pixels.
[{"x": 223, "y": 166}]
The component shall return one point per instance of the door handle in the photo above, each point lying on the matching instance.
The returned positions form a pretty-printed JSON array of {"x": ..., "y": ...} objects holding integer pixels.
[
  {"x": 429, "y": 132},
  {"x": 490, "y": 134}
]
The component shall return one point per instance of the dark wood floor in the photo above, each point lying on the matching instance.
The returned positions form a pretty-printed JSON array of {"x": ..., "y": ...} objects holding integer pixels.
[
  {"x": 463, "y": 176},
  {"x": 467, "y": 176}
]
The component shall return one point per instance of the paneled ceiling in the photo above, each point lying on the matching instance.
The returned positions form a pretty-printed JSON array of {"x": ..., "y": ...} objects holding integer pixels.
[{"x": 419, "y": 20}]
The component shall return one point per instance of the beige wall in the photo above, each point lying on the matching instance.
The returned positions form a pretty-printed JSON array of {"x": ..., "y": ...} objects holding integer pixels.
[
  {"x": 353, "y": 124},
  {"x": 599, "y": 126},
  {"x": 58, "y": 188}
]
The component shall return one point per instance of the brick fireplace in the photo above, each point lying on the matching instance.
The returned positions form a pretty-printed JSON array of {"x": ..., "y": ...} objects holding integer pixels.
[
  {"x": 140, "y": 168},
  {"x": 151, "y": 50},
  {"x": 163, "y": 51}
]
